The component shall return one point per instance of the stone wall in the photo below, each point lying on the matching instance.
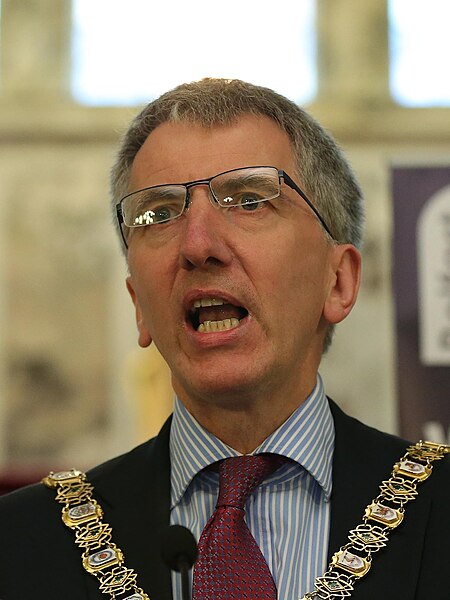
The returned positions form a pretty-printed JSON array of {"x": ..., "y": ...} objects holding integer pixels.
[{"x": 73, "y": 385}]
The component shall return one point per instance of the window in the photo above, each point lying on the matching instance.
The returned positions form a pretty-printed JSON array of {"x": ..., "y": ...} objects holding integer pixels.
[
  {"x": 129, "y": 52},
  {"x": 420, "y": 51}
]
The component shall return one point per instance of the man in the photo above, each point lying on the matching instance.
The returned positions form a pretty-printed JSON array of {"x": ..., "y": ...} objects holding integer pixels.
[{"x": 240, "y": 220}]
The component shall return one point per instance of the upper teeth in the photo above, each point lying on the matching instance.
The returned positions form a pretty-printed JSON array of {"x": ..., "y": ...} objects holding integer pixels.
[{"x": 208, "y": 302}]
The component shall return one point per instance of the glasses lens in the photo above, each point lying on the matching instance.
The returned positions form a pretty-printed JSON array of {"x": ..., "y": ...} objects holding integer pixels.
[
  {"x": 154, "y": 205},
  {"x": 246, "y": 187}
]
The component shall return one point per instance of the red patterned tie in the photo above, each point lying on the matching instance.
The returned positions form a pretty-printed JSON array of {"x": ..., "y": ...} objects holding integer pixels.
[{"x": 230, "y": 565}]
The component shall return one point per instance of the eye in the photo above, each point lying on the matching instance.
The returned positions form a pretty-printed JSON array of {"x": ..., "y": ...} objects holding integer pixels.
[
  {"x": 154, "y": 205},
  {"x": 249, "y": 201},
  {"x": 155, "y": 215},
  {"x": 165, "y": 213}
]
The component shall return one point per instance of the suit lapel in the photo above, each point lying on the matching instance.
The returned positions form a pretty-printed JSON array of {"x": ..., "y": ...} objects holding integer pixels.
[
  {"x": 363, "y": 458},
  {"x": 357, "y": 472},
  {"x": 135, "y": 495}
]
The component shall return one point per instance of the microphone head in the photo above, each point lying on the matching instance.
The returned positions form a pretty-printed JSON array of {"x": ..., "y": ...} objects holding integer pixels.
[{"x": 178, "y": 548}]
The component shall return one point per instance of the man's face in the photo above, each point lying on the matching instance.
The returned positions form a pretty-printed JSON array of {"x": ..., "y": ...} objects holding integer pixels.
[{"x": 272, "y": 269}]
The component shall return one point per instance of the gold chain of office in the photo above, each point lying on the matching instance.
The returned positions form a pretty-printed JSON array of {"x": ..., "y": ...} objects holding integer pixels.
[
  {"x": 105, "y": 560},
  {"x": 382, "y": 515}
]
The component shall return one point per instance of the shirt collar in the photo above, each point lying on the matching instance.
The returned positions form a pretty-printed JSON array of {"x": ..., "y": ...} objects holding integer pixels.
[{"x": 306, "y": 437}]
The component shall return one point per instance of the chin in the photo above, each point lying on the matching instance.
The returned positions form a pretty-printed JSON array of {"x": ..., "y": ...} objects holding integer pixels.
[{"x": 220, "y": 390}]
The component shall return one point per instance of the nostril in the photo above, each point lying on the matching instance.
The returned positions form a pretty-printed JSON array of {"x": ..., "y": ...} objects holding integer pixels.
[{"x": 186, "y": 263}]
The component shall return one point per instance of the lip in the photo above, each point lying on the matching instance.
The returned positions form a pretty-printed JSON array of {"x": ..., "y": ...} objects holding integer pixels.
[
  {"x": 198, "y": 294},
  {"x": 214, "y": 338}
]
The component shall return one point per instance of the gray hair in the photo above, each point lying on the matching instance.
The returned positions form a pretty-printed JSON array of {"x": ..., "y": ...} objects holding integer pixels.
[
  {"x": 323, "y": 171},
  {"x": 322, "y": 168}
]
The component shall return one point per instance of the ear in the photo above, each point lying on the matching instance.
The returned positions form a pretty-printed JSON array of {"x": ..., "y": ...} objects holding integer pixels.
[
  {"x": 145, "y": 339},
  {"x": 344, "y": 282}
]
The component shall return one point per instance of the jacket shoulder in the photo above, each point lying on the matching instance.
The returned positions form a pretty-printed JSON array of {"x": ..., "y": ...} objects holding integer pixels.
[
  {"x": 413, "y": 563},
  {"x": 35, "y": 542}
]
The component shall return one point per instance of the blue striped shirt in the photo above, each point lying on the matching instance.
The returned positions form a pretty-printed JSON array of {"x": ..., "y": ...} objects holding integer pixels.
[{"x": 288, "y": 514}]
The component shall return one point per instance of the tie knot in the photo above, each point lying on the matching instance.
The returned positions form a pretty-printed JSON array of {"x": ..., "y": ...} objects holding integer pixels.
[{"x": 240, "y": 475}]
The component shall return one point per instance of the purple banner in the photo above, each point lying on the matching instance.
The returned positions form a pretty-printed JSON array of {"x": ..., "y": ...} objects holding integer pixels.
[{"x": 421, "y": 278}]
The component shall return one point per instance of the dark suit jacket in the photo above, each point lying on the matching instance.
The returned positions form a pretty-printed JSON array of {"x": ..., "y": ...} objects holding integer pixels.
[{"x": 39, "y": 559}]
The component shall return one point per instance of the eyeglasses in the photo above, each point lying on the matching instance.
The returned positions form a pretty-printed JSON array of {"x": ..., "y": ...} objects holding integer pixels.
[{"x": 240, "y": 189}]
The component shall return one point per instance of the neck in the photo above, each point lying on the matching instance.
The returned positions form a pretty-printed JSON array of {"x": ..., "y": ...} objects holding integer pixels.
[{"x": 245, "y": 425}]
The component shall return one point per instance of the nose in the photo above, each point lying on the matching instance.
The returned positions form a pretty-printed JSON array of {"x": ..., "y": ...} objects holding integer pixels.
[{"x": 203, "y": 239}]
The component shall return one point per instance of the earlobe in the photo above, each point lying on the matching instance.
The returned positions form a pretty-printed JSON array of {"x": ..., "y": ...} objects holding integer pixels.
[
  {"x": 344, "y": 285},
  {"x": 144, "y": 339}
]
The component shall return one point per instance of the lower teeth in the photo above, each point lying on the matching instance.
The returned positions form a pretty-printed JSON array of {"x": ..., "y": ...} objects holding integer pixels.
[{"x": 224, "y": 325}]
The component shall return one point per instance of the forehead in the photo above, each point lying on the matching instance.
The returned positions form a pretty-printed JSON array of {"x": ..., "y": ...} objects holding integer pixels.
[{"x": 183, "y": 151}]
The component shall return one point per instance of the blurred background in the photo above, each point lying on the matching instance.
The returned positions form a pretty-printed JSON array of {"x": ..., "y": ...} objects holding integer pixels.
[{"x": 74, "y": 387}]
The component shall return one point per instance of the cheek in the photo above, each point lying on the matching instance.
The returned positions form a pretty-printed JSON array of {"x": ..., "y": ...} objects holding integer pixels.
[
  {"x": 149, "y": 285},
  {"x": 150, "y": 263},
  {"x": 299, "y": 278}
]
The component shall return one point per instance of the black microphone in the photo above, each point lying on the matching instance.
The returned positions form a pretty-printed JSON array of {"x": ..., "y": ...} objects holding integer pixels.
[{"x": 179, "y": 552}]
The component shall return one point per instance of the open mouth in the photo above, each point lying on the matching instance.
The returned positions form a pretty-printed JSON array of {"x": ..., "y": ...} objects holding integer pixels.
[{"x": 208, "y": 315}]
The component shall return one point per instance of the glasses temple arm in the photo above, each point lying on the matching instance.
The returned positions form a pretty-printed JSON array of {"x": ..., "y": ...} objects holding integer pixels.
[
  {"x": 291, "y": 183},
  {"x": 121, "y": 223}
]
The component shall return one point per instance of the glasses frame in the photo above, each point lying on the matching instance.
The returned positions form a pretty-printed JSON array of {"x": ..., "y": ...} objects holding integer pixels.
[{"x": 282, "y": 175}]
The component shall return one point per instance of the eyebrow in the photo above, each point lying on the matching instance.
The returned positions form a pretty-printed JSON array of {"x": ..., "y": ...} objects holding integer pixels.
[{"x": 164, "y": 190}]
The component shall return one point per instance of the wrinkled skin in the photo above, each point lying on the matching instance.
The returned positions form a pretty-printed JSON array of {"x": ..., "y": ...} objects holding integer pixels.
[{"x": 275, "y": 262}]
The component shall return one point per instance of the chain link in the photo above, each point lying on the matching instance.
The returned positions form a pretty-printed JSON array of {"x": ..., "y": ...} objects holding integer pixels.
[
  {"x": 353, "y": 560},
  {"x": 100, "y": 556},
  {"x": 103, "y": 559}
]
